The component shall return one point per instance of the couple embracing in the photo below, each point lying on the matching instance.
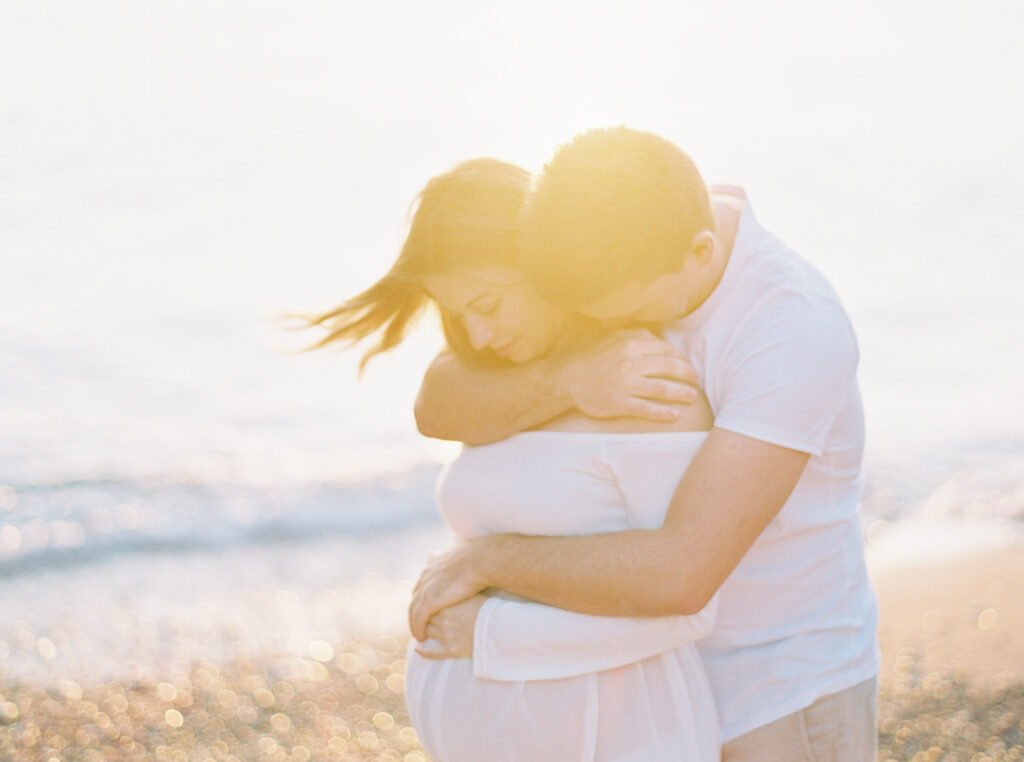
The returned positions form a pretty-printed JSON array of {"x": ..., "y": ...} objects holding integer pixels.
[{"x": 661, "y": 556}]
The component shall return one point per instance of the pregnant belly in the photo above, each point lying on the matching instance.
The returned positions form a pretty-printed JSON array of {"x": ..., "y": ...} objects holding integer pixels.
[
  {"x": 459, "y": 717},
  {"x": 654, "y": 710}
]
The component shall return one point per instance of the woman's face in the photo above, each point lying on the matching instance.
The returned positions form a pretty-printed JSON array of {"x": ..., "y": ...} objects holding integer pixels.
[{"x": 499, "y": 310}]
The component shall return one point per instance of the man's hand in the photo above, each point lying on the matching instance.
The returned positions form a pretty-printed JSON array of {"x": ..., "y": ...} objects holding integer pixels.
[
  {"x": 450, "y": 577},
  {"x": 451, "y": 630},
  {"x": 628, "y": 373}
]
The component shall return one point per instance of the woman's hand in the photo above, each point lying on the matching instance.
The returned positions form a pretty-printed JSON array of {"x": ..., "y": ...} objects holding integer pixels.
[{"x": 450, "y": 630}]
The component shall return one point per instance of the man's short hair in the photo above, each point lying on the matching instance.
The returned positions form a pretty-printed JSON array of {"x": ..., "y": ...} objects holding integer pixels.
[{"x": 613, "y": 206}]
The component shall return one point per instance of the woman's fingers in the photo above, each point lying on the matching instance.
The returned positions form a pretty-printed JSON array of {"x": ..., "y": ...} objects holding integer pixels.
[
  {"x": 432, "y": 649},
  {"x": 441, "y": 642}
]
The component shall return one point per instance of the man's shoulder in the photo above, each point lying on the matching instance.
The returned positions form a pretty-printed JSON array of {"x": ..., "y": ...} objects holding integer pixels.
[
  {"x": 773, "y": 276},
  {"x": 783, "y": 306},
  {"x": 767, "y": 287}
]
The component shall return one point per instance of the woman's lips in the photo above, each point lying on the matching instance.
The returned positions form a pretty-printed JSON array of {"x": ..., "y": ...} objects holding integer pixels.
[{"x": 506, "y": 349}]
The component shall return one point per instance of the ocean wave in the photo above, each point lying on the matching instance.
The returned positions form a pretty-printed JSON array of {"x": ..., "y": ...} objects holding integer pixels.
[
  {"x": 979, "y": 480},
  {"x": 63, "y": 524},
  {"x": 66, "y": 524}
]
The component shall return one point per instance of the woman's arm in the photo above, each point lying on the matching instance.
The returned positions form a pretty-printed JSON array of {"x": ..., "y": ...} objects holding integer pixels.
[
  {"x": 531, "y": 641},
  {"x": 513, "y": 640},
  {"x": 629, "y": 373},
  {"x": 477, "y": 405}
]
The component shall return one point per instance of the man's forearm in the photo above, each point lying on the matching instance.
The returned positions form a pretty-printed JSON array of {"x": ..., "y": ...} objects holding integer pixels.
[
  {"x": 732, "y": 489},
  {"x": 630, "y": 573},
  {"x": 474, "y": 405},
  {"x": 637, "y": 572}
]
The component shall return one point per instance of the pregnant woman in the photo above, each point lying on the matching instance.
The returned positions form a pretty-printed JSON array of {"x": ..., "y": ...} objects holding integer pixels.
[{"x": 541, "y": 683}]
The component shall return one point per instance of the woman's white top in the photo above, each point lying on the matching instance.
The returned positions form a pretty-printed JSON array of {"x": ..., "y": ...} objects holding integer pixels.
[{"x": 548, "y": 684}]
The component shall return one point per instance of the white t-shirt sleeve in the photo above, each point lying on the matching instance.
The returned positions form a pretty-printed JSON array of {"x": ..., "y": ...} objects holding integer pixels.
[
  {"x": 789, "y": 372},
  {"x": 515, "y": 640}
]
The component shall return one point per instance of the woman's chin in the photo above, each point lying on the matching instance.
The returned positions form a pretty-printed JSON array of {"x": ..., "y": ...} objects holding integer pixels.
[{"x": 517, "y": 351}]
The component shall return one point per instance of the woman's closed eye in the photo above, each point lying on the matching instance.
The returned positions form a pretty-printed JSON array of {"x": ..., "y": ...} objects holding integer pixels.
[{"x": 488, "y": 307}]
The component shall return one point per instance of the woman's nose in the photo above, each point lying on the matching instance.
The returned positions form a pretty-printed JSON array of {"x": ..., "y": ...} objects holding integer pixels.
[{"x": 480, "y": 333}]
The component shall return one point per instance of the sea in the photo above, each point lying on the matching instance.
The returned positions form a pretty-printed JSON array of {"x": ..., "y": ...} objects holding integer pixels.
[{"x": 179, "y": 480}]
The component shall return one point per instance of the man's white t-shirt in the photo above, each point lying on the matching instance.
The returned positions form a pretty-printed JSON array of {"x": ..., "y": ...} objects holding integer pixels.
[
  {"x": 797, "y": 618},
  {"x": 777, "y": 358}
]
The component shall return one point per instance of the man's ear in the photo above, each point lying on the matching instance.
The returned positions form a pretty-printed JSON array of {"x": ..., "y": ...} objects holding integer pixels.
[{"x": 704, "y": 247}]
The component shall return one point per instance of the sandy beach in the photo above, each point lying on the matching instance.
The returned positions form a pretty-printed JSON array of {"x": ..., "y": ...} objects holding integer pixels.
[
  {"x": 952, "y": 686},
  {"x": 952, "y": 640}
]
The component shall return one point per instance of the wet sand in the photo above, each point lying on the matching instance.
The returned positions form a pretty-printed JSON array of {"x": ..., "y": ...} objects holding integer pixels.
[{"x": 952, "y": 687}]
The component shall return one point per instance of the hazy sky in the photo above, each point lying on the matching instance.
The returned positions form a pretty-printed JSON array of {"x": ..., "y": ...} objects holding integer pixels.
[{"x": 167, "y": 163}]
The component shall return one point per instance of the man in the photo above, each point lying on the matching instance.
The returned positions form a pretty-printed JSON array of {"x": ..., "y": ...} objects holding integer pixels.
[{"x": 621, "y": 228}]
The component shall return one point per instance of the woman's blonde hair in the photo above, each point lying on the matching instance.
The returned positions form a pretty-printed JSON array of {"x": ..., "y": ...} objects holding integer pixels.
[{"x": 465, "y": 218}]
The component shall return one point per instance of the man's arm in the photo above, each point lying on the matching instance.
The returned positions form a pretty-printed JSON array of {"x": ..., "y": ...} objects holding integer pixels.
[
  {"x": 730, "y": 492},
  {"x": 626, "y": 374}
]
